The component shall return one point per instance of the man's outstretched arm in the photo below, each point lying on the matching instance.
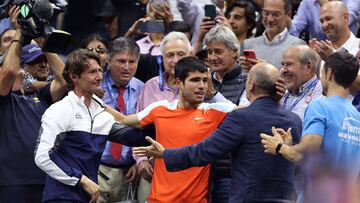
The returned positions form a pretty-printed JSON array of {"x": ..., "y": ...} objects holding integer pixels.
[
  {"x": 222, "y": 141},
  {"x": 126, "y": 135},
  {"x": 131, "y": 120}
]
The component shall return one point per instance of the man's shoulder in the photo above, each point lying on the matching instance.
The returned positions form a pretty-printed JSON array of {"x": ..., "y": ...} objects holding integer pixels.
[
  {"x": 318, "y": 103},
  {"x": 295, "y": 40},
  {"x": 136, "y": 83},
  {"x": 62, "y": 105},
  {"x": 156, "y": 108},
  {"x": 152, "y": 81},
  {"x": 218, "y": 106},
  {"x": 253, "y": 41},
  {"x": 292, "y": 116}
]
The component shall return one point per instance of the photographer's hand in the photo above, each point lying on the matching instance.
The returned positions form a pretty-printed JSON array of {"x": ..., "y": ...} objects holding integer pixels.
[
  {"x": 14, "y": 14},
  {"x": 134, "y": 29},
  {"x": 205, "y": 26},
  {"x": 222, "y": 20},
  {"x": 40, "y": 41}
]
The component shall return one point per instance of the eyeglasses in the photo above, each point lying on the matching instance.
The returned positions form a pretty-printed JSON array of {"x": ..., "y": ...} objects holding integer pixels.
[
  {"x": 98, "y": 50},
  {"x": 274, "y": 14}
]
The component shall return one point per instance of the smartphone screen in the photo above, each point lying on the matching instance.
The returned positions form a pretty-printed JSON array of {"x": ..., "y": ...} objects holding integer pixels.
[
  {"x": 210, "y": 11},
  {"x": 152, "y": 26}
]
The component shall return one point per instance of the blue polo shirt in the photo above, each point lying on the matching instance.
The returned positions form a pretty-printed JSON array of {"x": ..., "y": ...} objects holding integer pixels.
[{"x": 19, "y": 128}]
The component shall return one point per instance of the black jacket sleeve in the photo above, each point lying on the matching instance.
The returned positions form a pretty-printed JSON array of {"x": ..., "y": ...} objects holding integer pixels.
[{"x": 126, "y": 135}]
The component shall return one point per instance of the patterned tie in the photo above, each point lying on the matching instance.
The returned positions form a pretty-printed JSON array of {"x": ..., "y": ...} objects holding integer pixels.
[{"x": 115, "y": 148}]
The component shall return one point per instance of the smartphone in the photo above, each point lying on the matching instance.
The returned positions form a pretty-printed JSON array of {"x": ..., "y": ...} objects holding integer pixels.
[
  {"x": 152, "y": 26},
  {"x": 210, "y": 11},
  {"x": 250, "y": 54}
]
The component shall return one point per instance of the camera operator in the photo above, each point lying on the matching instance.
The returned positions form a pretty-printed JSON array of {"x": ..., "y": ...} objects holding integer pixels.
[
  {"x": 20, "y": 180},
  {"x": 7, "y": 33}
]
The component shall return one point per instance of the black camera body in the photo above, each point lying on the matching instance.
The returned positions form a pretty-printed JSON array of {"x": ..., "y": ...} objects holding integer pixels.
[
  {"x": 30, "y": 23},
  {"x": 34, "y": 21}
]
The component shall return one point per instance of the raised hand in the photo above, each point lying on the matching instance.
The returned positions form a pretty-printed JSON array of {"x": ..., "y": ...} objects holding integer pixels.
[
  {"x": 14, "y": 12},
  {"x": 155, "y": 150},
  {"x": 248, "y": 63},
  {"x": 280, "y": 89},
  {"x": 324, "y": 48}
]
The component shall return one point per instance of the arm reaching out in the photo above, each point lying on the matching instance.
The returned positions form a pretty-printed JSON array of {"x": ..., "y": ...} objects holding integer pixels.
[
  {"x": 131, "y": 120},
  {"x": 155, "y": 150}
]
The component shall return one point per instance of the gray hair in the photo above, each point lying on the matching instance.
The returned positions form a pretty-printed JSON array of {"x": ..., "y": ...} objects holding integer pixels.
[
  {"x": 174, "y": 36},
  {"x": 122, "y": 45},
  {"x": 306, "y": 54},
  {"x": 224, "y": 35}
]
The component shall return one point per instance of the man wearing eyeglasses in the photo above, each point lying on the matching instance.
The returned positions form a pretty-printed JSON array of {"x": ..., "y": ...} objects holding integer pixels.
[{"x": 276, "y": 38}]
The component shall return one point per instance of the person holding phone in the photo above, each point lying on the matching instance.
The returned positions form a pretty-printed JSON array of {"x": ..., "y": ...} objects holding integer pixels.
[
  {"x": 158, "y": 14},
  {"x": 275, "y": 40}
]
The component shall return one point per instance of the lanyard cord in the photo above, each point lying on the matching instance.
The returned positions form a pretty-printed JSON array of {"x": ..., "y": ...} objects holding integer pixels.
[
  {"x": 161, "y": 77},
  {"x": 311, "y": 88},
  {"x": 109, "y": 87}
]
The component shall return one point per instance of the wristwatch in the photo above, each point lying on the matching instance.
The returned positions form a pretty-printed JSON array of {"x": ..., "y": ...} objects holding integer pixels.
[{"x": 278, "y": 147}]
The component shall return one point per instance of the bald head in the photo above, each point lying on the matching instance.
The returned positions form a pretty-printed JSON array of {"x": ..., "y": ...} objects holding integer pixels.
[
  {"x": 334, "y": 19},
  {"x": 264, "y": 76},
  {"x": 337, "y": 6}
]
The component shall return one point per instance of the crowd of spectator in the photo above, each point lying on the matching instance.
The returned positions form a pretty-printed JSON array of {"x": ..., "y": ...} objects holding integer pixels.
[{"x": 257, "y": 104}]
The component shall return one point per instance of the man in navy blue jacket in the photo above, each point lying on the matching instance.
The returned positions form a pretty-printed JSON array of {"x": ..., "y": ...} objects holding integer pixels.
[{"x": 256, "y": 176}]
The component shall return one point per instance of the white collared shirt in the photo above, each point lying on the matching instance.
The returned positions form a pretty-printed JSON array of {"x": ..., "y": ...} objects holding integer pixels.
[
  {"x": 352, "y": 44},
  {"x": 278, "y": 38}
]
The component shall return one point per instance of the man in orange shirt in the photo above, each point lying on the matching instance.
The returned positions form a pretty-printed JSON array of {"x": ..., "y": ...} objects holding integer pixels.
[{"x": 180, "y": 123}]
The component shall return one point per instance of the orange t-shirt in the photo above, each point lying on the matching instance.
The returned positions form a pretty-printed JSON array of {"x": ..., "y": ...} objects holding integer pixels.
[{"x": 178, "y": 128}]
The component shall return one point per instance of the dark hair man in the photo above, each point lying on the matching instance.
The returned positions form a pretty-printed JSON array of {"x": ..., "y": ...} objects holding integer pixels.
[
  {"x": 252, "y": 170},
  {"x": 242, "y": 18},
  {"x": 69, "y": 149},
  {"x": 197, "y": 120}
]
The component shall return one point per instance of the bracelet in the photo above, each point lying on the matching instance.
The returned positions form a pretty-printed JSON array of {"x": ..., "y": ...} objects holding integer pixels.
[
  {"x": 16, "y": 40},
  {"x": 278, "y": 147}
]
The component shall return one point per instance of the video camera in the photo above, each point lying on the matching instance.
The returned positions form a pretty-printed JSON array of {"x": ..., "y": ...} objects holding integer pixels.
[{"x": 34, "y": 22}]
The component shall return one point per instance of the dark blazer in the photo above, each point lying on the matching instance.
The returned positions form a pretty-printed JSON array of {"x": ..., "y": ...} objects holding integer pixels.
[
  {"x": 256, "y": 176},
  {"x": 231, "y": 87}
]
